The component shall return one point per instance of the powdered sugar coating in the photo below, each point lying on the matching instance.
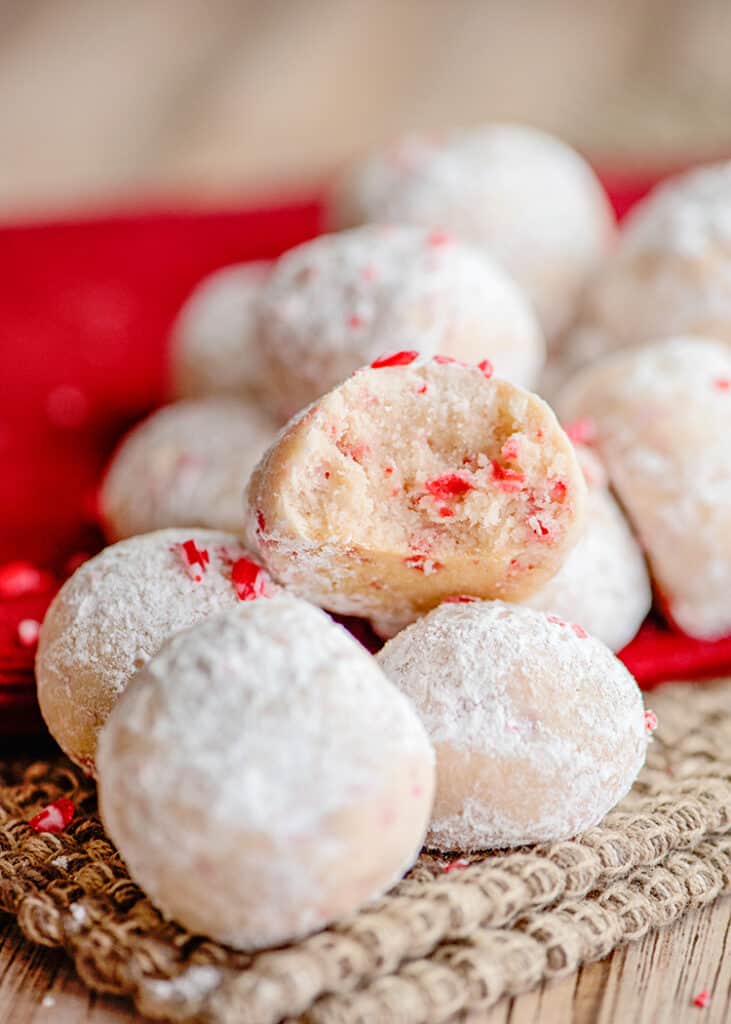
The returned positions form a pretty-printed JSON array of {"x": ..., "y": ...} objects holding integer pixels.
[
  {"x": 261, "y": 776},
  {"x": 409, "y": 483},
  {"x": 663, "y": 424},
  {"x": 185, "y": 465},
  {"x": 337, "y": 302},
  {"x": 214, "y": 347},
  {"x": 670, "y": 273},
  {"x": 539, "y": 730},
  {"x": 603, "y": 584},
  {"x": 114, "y": 613},
  {"x": 526, "y": 198}
]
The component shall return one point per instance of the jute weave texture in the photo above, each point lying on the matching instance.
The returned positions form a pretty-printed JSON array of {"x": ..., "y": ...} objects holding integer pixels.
[{"x": 442, "y": 943}]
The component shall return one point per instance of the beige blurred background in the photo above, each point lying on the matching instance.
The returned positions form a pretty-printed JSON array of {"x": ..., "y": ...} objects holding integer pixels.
[{"x": 204, "y": 101}]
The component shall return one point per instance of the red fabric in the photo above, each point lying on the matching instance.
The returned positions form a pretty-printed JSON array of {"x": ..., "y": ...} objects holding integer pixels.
[{"x": 85, "y": 309}]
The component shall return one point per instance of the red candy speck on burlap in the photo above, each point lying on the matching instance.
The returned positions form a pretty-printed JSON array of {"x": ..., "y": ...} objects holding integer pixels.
[{"x": 55, "y": 817}]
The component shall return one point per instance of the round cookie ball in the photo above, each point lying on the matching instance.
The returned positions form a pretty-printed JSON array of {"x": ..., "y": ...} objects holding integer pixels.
[
  {"x": 409, "y": 483},
  {"x": 670, "y": 273},
  {"x": 214, "y": 346},
  {"x": 118, "y": 609},
  {"x": 662, "y": 420},
  {"x": 539, "y": 730},
  {"x": 334, "y": 304},
  {"x": 603, "y": 585},
  {"x": 262, "y": 778},
  {"x": 185, "y": 465},
  {"x": 522, "y": 196}
]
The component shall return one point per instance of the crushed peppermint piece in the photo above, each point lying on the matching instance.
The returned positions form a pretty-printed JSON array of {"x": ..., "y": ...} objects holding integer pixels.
[
  {"x": 448, "y": 485},
  {"x": 260, "y": 520},
  {"x": 195, "y": 556},
  {"x": 460, "y": 599},
  {"x": 27, "y": 632},
  {"x": 438, "y": 238},
  {"x": 455, "y": 865},
  {"x": 421, "y": 390},
  {"x": 582, "y": 431},
  {"x": 650, "y": 721},
  {"x": 578, "y": 630},
  {"x": 486, "y": 368},
  {"x": 20, "y": 578},
  {"x": 55, "y": 817},
  {"x": 248, "y": 579},
  {"x": 445, "y": 512},
  {"x": 423, "y": 564},
  {"x": 402, "y": 358},
  {"x": 722, "y": 383},
  {"x": 355, "y": 321},
  {"x": 703, "y": 999},
  {"x": 508, "y": 480},
  {"x": 511, "y": 449}
]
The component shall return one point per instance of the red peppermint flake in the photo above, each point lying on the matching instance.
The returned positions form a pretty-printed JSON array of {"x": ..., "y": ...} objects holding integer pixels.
[
  {"x": 445, "y": 512},
  {"x": 402, "y": 358},
  {"x": 460, "y": 599},
  {"x": 261, "y": 523},
  {"x": 582, "y": 431},
  {"x": 435, "y": 239},
  {"x": 650, "y": 721},
  {"x": 455, "y": 865},
  {"x": 355, "y": 321},
  {"x": 486, "y": 368},
  {"x": 27, "y": 632},
  {"x": 55, "y": 817},
  {"x": 578, "y": 630},
  {"x": 508, "y": 480},
  {"x": 195, "y": 556},
  {"x": 722, "y": 383},
  {"x": 448, "y": 485},
  {"x": 20, "y": 578},
  {"x": 511, "y": 449},
  {"x": 558, "y": 490},
  {"x": 444, "y": 360},
  {"x": 248, "y": 579},
  {"x": 421, "y": 390},
  {"x": 422, "y": 563},
  {"x": 702, "y": 1000},
  {"x": 539, "y": 528}
]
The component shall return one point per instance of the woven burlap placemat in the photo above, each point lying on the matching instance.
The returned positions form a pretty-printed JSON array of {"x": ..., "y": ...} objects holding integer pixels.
[{"x": 443, "y": 942}]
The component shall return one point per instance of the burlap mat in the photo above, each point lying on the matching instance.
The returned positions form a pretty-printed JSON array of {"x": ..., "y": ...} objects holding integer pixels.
[{"x": 442, "y": 943}]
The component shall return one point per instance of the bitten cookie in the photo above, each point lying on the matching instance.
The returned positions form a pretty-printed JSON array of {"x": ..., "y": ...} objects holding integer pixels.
[
  {"x": 214, "y": 347},
  {"x": 411, "y": 482},
  {"x": 118, "y": 609},
  {"x": 333, "y": 304},
  {"x": 186, "y": 465},
  {"x": 670, "y": 273},
  {"x": 262, "y": 778},
  {"x": 603, "y": 584},
  {"x": 522, "y": 196},
  {"x": 539, "y": 730},
  {"x": 662, "y": 420}
]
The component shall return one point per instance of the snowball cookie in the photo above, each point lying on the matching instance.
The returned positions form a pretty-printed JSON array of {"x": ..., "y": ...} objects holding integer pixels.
[
  {"x": 187, "y": 464},
  {"x": 409, "y": 483},
  {"x": 662, "y": 417},
  {"x": 539, "y": 730},
  {"x": 262, "y": 778},
  {"x": 118, "y": 609},
  {"x": 214, "y": 346},
  {"x": 335, "y": 303},
  {"x": 523, "y": 196},
  {"x": 603, "y": 584},
  {"x": 669, "y": 275}
]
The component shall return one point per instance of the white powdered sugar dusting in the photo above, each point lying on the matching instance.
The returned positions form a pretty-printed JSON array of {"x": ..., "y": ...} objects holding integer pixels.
[
  {"x": 274, "y": 731},
  {"x": 539, "y": 730},
  {"x": 185, "y": 465},
  {"x": 663, "y": 419}
]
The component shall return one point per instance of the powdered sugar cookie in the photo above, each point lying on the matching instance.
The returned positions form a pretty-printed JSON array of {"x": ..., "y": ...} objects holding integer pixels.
[
  {"x": 187, "y": 464},
  {"x": 412, "y": 482},
  {"x": 670, "y": 273},
  {"x": 539, "y": 730},
  {"x": 333, "y": 304},
  {"x": 118, "y": 609},
  {"x": 662, "y": 416},
  {"x": 603, "y": 584},
  {"x": 262, "y": 778},
  {"x": 523, "y": 196},
  {"x": 214, "y": 346}
]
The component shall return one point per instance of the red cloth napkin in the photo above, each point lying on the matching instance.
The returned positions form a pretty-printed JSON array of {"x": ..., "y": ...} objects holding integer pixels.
[{"x": 85, "y": 310}]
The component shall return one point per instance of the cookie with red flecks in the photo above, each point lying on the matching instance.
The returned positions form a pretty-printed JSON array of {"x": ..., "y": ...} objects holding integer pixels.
[
  {"x": 118, "y": 609},
  {"x": 662, "y": 423},
  {"x": 262, "y": 778},
  {"x": 185, "y": 465},
  {"x": 413, "y": 481},
  {"x": 539, "y": 730},
  {"x": 335, "y": 303}
]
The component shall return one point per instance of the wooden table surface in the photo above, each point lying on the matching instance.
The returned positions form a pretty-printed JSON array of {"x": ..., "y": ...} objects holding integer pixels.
[{"x": 208, "y": 100}]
